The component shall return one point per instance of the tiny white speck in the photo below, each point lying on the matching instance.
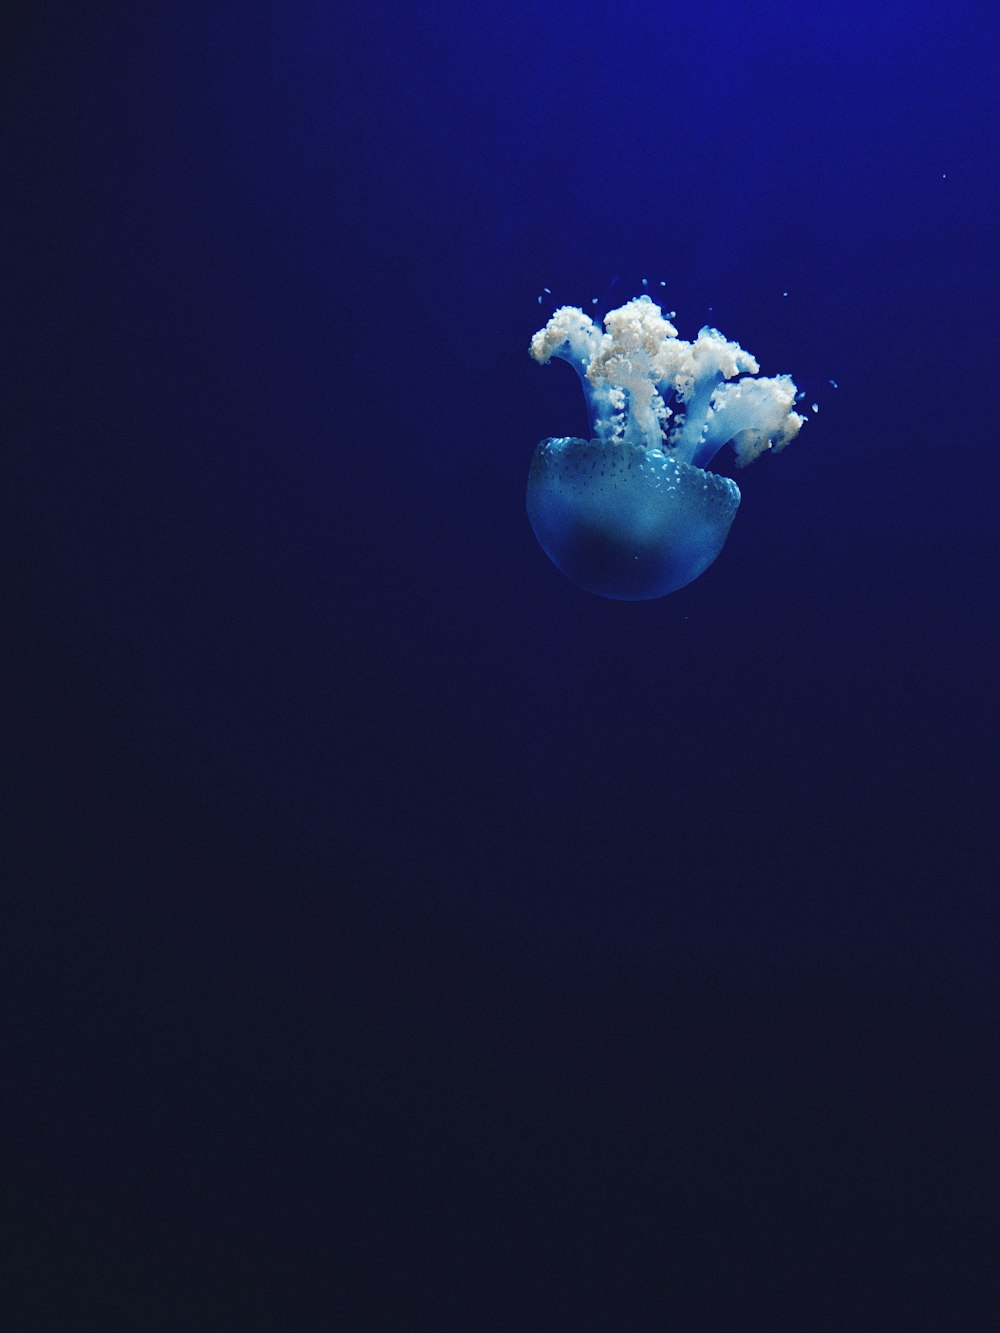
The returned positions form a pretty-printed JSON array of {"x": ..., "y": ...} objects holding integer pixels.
[
  {"x": 645, "y": 282},
  {"x": 835, "y": 384},
  {"x": 784, "y": 293},
  {"x": 548, "y": 290},
  {"x": 539, "y": 300},
  {"x": 815, "y": 407}
]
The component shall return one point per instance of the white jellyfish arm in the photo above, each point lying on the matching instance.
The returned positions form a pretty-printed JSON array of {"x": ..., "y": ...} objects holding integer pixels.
[
  {"x": 752, "y": 415},
  {"x": 707, "y": 361},
  {"x": 570, "y": 335},
  {"x": 573, "y": 336},
  {"x": 634, "y": 369}
]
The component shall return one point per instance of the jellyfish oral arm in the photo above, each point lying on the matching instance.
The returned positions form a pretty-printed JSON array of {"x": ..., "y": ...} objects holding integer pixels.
[
  {"x": 645, "y": 385},
  {"x": 752, "y": 415},
  {"x": 570, "y": 335}
]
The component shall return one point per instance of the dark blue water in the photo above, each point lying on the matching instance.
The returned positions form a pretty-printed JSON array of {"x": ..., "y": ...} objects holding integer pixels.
[{"x": 396, "y": 936}]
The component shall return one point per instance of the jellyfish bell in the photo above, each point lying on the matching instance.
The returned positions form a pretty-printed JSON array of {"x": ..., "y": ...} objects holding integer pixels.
[
  {"x": 635, "y": 513},
  {"x": 624, "y": 521}
]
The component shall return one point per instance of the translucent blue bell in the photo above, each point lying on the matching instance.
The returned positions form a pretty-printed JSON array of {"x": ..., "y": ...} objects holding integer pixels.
[{"x": 625, "y": 521}]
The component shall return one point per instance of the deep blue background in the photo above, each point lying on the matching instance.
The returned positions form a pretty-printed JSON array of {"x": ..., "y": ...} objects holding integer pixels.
[{"x": 396, "y": 937}]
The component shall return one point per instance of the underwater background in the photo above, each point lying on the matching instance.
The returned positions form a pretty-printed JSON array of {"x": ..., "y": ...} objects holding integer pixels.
[{"x": 394, "y": 935}]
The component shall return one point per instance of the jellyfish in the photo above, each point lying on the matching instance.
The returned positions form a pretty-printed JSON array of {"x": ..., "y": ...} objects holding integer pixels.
[{"x": 635, "y": 512}]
